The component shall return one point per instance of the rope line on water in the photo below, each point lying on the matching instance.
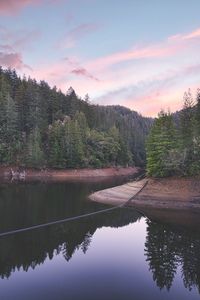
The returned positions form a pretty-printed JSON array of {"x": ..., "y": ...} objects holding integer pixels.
[
  {"x": 72, "y": 218},
  {"x": 57, "y": 222}
]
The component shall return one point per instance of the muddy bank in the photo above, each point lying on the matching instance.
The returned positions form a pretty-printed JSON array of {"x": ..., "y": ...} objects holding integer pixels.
[
  {"x": 172, "y": 193},
  {"x": 186, "y": 218},
  {"x": 15, "y": 173},
  {"x": 119, "y": 195}
]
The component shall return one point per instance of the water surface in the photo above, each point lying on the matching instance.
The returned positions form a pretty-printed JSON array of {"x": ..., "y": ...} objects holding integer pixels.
[{"x": 115, "y": 255}]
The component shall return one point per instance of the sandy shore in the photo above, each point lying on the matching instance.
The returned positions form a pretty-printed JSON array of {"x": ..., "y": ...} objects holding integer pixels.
[
  {"x": 14, "y": 173},
  {"x": 170, "y": 193},
  {"x": 173, "y": 201}
]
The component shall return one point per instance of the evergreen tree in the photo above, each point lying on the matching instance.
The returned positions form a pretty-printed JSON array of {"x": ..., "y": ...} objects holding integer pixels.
[
  {"x": 197, "y": 114},
  {"x": 56, "y": 142},
  {"x": 160, "y": 144},
  {"x": 75, "y": 151},
  {"x": 195, "y": 164},
  {"x": 64, "y": 130},
  {"x": 11, "y": 133},
  {"x": 35, "y": 155}
]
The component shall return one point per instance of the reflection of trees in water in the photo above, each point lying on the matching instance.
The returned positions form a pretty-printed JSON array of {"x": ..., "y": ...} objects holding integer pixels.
[
  {"x": 168, "y": 248},
  {"x": 32, "y": 248}
]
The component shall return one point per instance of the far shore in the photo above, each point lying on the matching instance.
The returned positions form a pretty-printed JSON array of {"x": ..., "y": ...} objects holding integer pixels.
[{"x": 13, "y": 173}]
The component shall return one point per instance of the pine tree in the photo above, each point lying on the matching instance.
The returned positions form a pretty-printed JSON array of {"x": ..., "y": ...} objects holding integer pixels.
[
  {"x": 187, "y": 119},
  {"x": 35, "y": 155},
  {"x": 89, "y": 138},
  {"x": 161, "y": 142},
  {"x": 11, "y": 133},
  {"x": 56, "y": 141},
  {"x": 195, "y": 164},
  {"x": 76, "y": 145},
  {"x": 187, "y": 131}
]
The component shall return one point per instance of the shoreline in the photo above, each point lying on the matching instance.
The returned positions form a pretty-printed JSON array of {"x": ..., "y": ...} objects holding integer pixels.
[
  {"x": 171, "y": 201},
  {"x": 163, "y": 193},
  {"x": 13, "y": 173},
  {"x": 170, "y": 193}
]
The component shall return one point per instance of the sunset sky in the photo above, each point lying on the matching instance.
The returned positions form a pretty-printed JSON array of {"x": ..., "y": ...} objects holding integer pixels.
[{"x": 142, "y": 54}]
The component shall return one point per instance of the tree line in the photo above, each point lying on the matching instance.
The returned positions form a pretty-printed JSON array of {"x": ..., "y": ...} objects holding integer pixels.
[
  {"x": 43, "y": 127},
  {"x": 173, "y": 145}
]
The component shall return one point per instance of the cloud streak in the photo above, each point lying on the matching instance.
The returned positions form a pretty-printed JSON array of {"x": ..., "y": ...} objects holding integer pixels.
[
  {"x": 167, "y": 48},
  {"x": 17, "y": 39},
  {"x": 10, "y": 7},
  {"x": 149, "y": 96},
  {"x": 14, "y": 6},
  {"x": 12, "y": 60},
  {"x": 184, "y": 37},
  {"x": 13, "y": 44},
  {"x": 138, "y": 53},
  {"x": 144, "y": 78},
  {"x": 73, "y": 36},
  {"x": 83, "y": 72}
]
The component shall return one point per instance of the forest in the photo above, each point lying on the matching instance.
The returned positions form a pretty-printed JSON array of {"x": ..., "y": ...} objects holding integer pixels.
[
  {"x": 173, "y": 145},
  {"x": 42, "y": 127}
]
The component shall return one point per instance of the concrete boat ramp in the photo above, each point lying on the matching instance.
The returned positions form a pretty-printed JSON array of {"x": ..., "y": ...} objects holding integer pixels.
[{"x": 119, "y": 195}]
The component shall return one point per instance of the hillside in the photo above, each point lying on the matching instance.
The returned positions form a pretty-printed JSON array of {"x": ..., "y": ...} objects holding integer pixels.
[{"x": 43, "y": 127}]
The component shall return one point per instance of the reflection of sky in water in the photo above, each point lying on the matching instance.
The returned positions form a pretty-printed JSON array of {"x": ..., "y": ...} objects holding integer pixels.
[{"x": 114, "y": 267}]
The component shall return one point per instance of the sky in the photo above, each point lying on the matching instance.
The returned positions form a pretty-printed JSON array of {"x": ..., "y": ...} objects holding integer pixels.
[{"x": 142, "y": 54}]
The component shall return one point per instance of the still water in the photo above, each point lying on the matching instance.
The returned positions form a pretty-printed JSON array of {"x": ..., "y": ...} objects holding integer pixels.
[{"x": 114, "y": 255}]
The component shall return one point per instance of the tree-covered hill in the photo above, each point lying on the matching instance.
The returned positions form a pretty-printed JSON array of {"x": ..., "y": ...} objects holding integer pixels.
[
  {"x": 173, "y": 145},
  {"x": 43, "y": 127}
]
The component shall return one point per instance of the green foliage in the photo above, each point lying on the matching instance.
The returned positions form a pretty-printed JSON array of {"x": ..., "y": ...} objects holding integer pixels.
[
  {"x": 35, "y": 155},
  {"x": 42, "y": 127},
  {"x": 160, "y": 143},
  {"x": 173, "y": 147},
  {"x": 55, "y": 146}
]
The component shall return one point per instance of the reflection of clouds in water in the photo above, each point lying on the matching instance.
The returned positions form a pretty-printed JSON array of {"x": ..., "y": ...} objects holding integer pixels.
[
  {"x": 124, "y": 240},
  {"x": 38, "y": 203},
  {"x": 105, "y": 253}
]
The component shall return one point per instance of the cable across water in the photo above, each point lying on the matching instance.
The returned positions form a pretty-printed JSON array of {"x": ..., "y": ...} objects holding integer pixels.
[{"x": 72, "y": 218}]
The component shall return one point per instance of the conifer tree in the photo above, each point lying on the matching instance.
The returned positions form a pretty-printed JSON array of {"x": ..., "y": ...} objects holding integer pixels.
[
  {"x": 161, "y": 141},
  {"x": 64, "y": 129},
  {"x": 35, "y": 155},
  {"x": 187, "y": 131}
]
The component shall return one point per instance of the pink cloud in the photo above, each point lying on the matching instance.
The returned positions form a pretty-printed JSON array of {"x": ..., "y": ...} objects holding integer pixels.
[
  {"x": 65, "y": 73},
  {"x": 158, "y": 80},
  {"x": 194, "y": 34},
  {"x": 8, "y": 7},
  {"x": 181, "y": 37},
  {"x": 151, "y": 104},
  {"x": 77, "y": 33},
  {"x": 12, "y": 45},
  {"x": 24, "y": 39},
  {"x": 161, "y": 91},
  {"x": 170, "y": 47},
  {"x": 83, "y": 72},
  {"x": 17, "y": 39},
  {"x": 155, "y": 51},
  {"x": 5, "y": 47},
  {"x": 13, "y": 6},
  {"x": 12, "y": 60}
]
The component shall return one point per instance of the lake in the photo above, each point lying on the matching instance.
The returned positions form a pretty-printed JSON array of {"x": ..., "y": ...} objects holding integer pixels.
[{"x": 118, "y": 254}]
